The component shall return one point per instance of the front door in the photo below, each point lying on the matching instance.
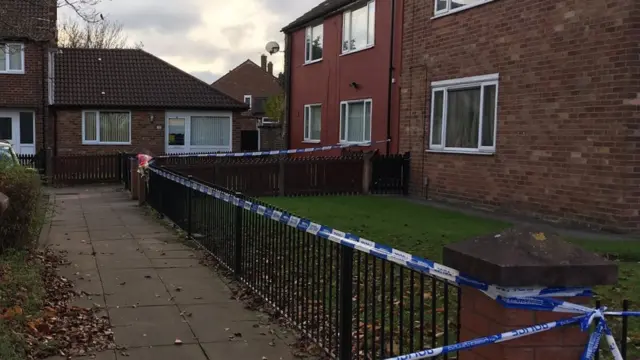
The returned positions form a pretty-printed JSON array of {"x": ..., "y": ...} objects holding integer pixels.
[{"x": 18, "y": 129}]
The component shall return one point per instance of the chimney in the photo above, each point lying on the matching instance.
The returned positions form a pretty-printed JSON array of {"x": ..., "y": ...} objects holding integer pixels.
[
  {"x": 270, "y": 67},
  {"x": 263, "y": 62}
]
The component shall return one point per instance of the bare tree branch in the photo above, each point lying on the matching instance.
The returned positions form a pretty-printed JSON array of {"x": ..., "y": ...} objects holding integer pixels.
[
  {"x": 36, "y": 19},
  {"x": 93, "y": 35}
]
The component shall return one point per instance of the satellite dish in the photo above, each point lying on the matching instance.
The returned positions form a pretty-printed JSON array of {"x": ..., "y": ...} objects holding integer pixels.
[{"x": 272, "y": 47}]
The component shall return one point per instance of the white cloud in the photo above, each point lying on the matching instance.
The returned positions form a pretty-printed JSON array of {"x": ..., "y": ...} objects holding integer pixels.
[{"x": 206, "y": 37}]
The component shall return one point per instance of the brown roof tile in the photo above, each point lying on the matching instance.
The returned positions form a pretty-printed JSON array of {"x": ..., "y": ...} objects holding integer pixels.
[
  {"x": 27, "y": 19},
  {"x": 130, "y": 77},
  {"x": 248, "y": 78}
]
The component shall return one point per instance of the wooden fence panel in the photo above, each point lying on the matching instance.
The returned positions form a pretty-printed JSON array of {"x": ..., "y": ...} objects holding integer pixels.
[{"x": 82, "y": 169}]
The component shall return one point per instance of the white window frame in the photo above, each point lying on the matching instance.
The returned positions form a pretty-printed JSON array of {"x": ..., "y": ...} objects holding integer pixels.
[
  {"x": 447, "y": 10},
  {"x": 346, "y": 16},
  {"x": 346, "y": 122},
  {"x": 308, "y": 33},
  {"x": 457, "y": 84},
  {"x": 187, "y": 147},
  {"x": 98, "y": 141},
  {"x": 307, "y": 111},
  {"x": 268, "y": 120},
  {"x": 244, "y": 100},
  {"x": 6, "y": 59}
]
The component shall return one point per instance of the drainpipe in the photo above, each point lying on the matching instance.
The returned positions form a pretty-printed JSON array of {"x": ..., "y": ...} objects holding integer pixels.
[
  {"x": 287, "y": 88},
  {"x": 45, "y": 102},
  {"x": 390, "y": 85}
]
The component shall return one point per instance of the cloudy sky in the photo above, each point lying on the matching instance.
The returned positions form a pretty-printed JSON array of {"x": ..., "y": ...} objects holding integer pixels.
[{"x": 205, "y": 37}]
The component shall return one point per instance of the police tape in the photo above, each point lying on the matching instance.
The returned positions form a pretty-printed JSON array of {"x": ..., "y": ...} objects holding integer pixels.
[
  {"x": 380, "y": 251},
  {"x": 538, "y": 299},
  {"x": 492, "y": 339},
  {"x": 279, "y": 152}
]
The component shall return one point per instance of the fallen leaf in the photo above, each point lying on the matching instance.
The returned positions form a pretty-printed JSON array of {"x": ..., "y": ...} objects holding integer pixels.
[{"x": 178, "y": 342}]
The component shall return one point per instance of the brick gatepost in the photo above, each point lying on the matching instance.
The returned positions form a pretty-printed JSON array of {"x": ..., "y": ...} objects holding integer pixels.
[{"x": 523, "y": 257}]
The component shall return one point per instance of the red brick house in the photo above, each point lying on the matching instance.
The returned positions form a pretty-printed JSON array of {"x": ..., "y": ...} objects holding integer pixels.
[
  {"x": 529, "y": 106},
  {"x": 342, "y": 69},
  {"x": 129, "y": 100},
  {"x": 27, "y": 31},
  {"x": 254, "y": 84}
]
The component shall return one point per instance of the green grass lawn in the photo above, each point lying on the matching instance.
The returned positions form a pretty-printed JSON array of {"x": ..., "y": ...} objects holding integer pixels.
[{"x": 423, "y": 231}]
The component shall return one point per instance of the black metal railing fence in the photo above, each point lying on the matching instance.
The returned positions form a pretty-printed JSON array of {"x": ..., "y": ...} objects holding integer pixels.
[{"x": 352, "y": 304}]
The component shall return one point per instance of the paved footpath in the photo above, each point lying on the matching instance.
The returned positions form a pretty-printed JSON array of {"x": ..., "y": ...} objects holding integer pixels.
[{"x": 153, "y": 288}]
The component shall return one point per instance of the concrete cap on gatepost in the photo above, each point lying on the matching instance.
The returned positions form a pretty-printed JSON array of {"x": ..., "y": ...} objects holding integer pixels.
[{"x": 523, "y": 256}]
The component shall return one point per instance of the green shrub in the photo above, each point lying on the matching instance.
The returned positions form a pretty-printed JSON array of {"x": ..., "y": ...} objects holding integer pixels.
[{"x": 22, "y": 221}]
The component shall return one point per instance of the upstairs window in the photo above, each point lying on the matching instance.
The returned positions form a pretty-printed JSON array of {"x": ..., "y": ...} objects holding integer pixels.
[
  {"x": 358, "y": 28},
  {"x": 313, "y": 44},
  {"x": 464, "y": 114},
  {"x": 247, "y": 100},
  {"x": 447, "y": 6},
  {"x": 12, "y": 58}
]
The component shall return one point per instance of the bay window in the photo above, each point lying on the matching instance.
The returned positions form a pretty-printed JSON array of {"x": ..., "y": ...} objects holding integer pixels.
[
  {"x": 464, "y": 114},
  {"x": 355, "y": 121},
  {"x": 106, "y": 127}
]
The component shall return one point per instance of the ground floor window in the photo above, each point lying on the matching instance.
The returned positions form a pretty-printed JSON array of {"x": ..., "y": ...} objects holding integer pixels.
[
  {"x": 312, "y": 119},
  {"x": 464, "y": 114},
  {"x": 106, "y": 127},
  {"x": 198, "y": 132},
  {"x": 355, "y": 121}
]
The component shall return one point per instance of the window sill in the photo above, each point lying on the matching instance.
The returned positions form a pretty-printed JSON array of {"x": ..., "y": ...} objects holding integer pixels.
[
  {"x": 463, "y": 152},
  {"x": 312, "y": 62},
  {"x": 16, "y": 72},
  {"x": 356, "y": 143},
  {"x": 311, "y": 141},
  {"x": 462, "y": 8},
  {"x": 106, "y": 143},
  {"x": 357, "y": 50}
]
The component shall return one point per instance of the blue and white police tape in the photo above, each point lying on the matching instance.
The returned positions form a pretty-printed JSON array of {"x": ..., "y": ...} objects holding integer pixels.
[
  {"x": 522, "y": 298},
  {"x": 493, "y": 339},
  {"x": 278, "y": 152},
  {"x": 381, "y": 251}
]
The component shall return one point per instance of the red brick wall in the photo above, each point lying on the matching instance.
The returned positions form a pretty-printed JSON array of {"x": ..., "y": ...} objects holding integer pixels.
[
  {"x": 144, "y": 134},
  {"x": 328, "y": 81},
  {"x": 25, "y": 91},
  {"x": 568, "y": 125}
]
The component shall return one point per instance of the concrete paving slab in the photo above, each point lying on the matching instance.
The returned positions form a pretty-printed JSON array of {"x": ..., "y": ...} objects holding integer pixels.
[
  {"x": 174, "y": 263},
  {"x": 139, "y": 287},
  {"x": 105, "y": 355},
  {"x": 149, "y": 326},
  {"x": 249, "y": 350},
  {"x": 146, "y": 229},
  {"x": 175, "y": 254},
  {"x": 124, "y": 246},
  {"x": 61, "y": 236},
  {"x": 128, "y": 261},
  {"x": 217, "y": 322},
  {"x": 168, "y": 352},
  {"x": 115, "y": 233}
]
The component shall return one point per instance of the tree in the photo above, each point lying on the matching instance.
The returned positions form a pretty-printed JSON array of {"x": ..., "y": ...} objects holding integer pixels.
[
  {"x": 35, "y": 19},
  {"x": 103, "y": 34},
  {"x": 274, "y": 108}
]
